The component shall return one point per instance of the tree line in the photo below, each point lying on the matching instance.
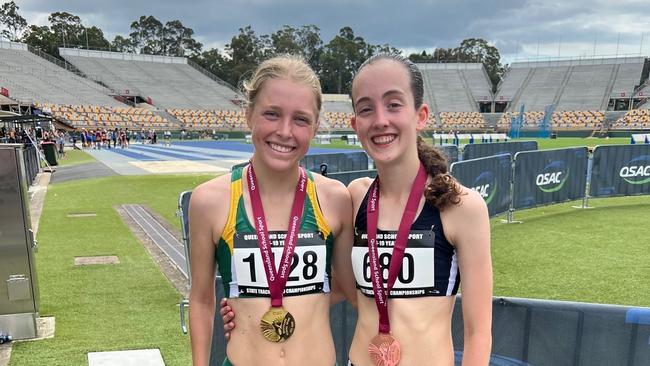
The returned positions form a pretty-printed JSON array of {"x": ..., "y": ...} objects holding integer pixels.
[{"x": 334, "y": 61}]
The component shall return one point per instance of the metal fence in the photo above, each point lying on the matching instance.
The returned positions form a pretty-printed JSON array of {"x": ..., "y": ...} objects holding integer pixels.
[
  {"x": 30, "y": 155},
  {"x": 474, "y": 151},
  {"x": 542, "y": 332},
  {"x": 527, "y": 331},
  {"x": 538, "y": 178}
]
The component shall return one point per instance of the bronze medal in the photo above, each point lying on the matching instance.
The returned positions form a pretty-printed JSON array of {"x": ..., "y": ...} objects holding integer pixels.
[
  {"x": 277, "y": 325},
  {"x": 384, "y": 350}
]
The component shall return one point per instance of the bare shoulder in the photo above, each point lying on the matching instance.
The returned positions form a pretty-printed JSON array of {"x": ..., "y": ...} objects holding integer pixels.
[
  {"x": 470, "y": 212},
  {"x": 331, "y": 189},
  {"x": 211, "y": 194},
  {"x": 359, "y": 187},
  {"x": 471, "y": 203},
  {"x": 335, "y": 203}
]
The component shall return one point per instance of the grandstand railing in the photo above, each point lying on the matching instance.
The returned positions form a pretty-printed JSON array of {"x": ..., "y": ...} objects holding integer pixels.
[
  {"x": 212, "y": 76},
  {"x": 639, "y": 88},
  {"x": 578, "y": 61},
  {"x": 63, "y": 64}
]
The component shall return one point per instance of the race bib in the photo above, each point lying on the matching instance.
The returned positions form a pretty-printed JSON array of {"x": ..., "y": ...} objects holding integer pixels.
[
  {"x": 306, "y": 273},
  {"x": 417, "y": 275}
]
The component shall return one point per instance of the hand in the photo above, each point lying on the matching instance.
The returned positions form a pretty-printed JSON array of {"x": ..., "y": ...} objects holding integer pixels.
[{"x": 228, "y": 317}]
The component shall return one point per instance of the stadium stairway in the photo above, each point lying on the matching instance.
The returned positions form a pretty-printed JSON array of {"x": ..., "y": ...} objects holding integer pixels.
[
  {"x": 468, "y": 91},
  {"x": 611, "y": 117},
  {"x": 512, "y": 107},
  {"x": 565, "y": 81},
  {"x": 169, "y": 117},
  {"x": 610, "y": 87},
  {"x": 491, "y": 119}
]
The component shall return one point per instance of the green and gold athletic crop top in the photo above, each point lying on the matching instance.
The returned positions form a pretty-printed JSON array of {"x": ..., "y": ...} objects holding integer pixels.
[{"x": 239, "y": 260}]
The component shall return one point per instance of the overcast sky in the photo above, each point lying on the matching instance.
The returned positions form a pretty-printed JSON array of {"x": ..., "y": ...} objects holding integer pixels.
[{"x": 519, "y": 29}]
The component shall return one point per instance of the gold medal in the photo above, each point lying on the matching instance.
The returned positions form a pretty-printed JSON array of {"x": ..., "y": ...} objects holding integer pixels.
[{"x": 277, "y": 325}]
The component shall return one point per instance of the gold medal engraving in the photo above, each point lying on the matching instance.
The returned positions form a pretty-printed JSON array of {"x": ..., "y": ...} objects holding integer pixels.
[{"x": 277, "y": 325}]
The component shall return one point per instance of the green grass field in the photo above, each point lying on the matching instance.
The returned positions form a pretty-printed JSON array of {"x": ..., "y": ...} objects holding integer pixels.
[
  {"x": 564, "y": 142},
  {"x": 543, "y": 144},
  {"x": 75, "y": 157},
  {"x": 99, "y": 308},
  {"x": 599, "y": 255}
]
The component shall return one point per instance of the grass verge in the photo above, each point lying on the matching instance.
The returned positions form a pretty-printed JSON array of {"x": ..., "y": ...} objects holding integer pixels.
[
  {"x": 75, "y": 157},
  {"x": 597, "y": 255},
  {"x": 130, "y": 305}
]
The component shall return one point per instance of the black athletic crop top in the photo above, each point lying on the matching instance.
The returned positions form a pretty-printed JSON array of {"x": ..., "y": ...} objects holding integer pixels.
[{"x": 430, "y": 263}]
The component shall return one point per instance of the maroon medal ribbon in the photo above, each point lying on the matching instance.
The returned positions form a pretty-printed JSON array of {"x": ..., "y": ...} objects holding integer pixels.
[
  {"x": 277, "y": 279},
  {"x": 372, "y": 211}
]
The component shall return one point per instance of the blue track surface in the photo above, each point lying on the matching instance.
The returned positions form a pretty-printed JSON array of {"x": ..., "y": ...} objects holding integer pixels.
[
  {"x": 170, "y": 153},
  {"x": 157, "y": 150},
  {"x": 218, "y": 153},
  {"x": 244, "y": 147},
  {"x": 131, "y": 154}
]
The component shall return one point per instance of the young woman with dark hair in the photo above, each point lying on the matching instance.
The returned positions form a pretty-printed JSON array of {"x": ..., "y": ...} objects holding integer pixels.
[{"x": 414, "y": 211}]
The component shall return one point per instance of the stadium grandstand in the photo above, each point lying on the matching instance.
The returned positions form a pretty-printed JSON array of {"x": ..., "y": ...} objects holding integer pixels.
[
  {"x": 636, "y": 119},
  {"x": 456, "y": 93},
  {"x": 29, "y": 78},
  {"x": 338, "y": 111},
  {"x": 570, "y": 85},
  {"x": 107, "y": 90},
  {"x": 561, "y": 120},
  {"x": 164, "y": 81},
  {"x": 192, "y": 119},
  {"x": 455, "y": 87},
  {"x": 93, "y": 117}
]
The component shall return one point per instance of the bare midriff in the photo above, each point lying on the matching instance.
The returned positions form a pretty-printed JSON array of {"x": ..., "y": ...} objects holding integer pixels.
[
  {"x": 421, "y": 325},
  {"x": 310, "y": 344}
]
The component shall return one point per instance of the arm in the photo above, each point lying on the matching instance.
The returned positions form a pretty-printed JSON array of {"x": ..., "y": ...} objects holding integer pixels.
[
  {"x": 336, "y": 205},
  {"x": 343, "y": 276},
  {"x": 203, "y": 215},
  {"x": 471, "y": 235}
]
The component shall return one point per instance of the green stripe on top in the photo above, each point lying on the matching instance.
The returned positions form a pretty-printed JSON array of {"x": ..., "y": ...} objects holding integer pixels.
[{"x": 307, "y": 222}]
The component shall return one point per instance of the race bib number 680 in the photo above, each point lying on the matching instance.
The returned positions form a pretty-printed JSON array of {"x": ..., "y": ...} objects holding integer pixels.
[{"x": 416, "y": 276}]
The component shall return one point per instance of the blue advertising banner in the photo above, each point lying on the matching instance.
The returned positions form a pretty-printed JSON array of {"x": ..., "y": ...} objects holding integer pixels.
[
  {"x": 475, "y": 151},
  {"x": 549, "y": 176},
  {"x": 620, "y": 170},
  {"x": 488, "y": 176}
]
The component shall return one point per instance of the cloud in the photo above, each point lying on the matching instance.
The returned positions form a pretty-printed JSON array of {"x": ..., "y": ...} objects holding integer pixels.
[{"x": 517, "y": 28}]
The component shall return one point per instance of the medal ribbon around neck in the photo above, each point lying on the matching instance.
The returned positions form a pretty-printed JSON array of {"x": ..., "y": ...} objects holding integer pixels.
[
  {"x": 372, "y": 212},
  {"x": 277, "y": 279}
]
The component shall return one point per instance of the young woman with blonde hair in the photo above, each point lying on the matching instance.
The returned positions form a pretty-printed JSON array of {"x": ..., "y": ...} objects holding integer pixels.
[{"x": 276, "y": 231}]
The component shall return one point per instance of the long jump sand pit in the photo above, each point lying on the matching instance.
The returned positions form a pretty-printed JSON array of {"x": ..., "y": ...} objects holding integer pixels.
[{"x": 178, "y": 166}]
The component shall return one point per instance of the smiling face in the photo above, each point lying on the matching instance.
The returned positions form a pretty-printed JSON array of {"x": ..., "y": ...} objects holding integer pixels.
[
  {"x": 283, "y": 120},
  {"x": 386, "y": 119}
]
